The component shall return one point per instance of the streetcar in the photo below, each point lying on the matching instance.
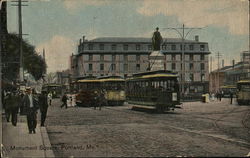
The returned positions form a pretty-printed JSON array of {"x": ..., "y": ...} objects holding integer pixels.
[
  {"x": 227, "y": 90},
  {"x": 54, "y": 89},
  {"x": 243, "y": 92},
  {"x": 113, "y": 88},
  {"x": 155, "y": 89},
  {"x": 88, "y": 90}
]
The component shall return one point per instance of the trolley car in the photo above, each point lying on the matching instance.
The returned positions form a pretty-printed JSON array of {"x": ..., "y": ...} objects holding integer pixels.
[
  {"x": 114, "y": 89},
  {"x": 88, "y": 89},
  {"x": 157, "y": 89},
  {"x": 243, "y": 92},
  {"x": 54, "y": 89},
  {"x": 227, "y": 90}
]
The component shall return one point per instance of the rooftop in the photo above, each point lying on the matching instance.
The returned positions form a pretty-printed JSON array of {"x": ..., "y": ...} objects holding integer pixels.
[{"x": 136, "y": 39}]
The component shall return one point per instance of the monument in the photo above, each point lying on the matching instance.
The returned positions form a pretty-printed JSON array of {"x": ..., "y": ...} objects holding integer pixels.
[{"x": 156, "y": 58}]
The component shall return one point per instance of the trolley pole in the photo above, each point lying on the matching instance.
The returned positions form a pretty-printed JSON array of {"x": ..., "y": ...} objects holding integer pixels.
[{"x": 183, "y": 38}]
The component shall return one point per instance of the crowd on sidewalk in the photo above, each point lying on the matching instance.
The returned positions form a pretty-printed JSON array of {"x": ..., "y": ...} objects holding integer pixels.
[{"x": 26, "y": 102}]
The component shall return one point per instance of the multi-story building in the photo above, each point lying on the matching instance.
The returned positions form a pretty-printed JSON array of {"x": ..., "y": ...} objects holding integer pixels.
[
  {"x": 230, "y": 75},
  {"x": 125, "y": 56}
]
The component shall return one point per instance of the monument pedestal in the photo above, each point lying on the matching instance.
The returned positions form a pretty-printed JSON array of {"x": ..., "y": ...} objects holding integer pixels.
[{"x": 156, "y": 61}]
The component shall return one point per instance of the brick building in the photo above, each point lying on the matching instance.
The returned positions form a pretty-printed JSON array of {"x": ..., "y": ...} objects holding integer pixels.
[{"x": 125, "y": 56}]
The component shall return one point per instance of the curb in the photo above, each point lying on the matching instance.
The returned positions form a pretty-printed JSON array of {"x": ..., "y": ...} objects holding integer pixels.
[{"x": 46, "y": 143}]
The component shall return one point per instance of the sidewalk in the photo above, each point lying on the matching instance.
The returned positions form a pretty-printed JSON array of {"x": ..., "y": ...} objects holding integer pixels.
[{"x": 17, "y": 142}]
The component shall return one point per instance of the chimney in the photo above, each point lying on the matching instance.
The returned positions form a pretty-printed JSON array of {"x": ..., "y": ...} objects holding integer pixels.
[
  {"x": 233, "y": 63},
  {"x": 80, "y": 41},
  {"x": 196, "y": 38},
  {"x": 83, "y": 38},
  {"x": 222, "y": 63}
]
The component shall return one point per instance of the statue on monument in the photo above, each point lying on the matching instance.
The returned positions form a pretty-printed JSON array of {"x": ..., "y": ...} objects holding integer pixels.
[{"x": 157, "y": 40}]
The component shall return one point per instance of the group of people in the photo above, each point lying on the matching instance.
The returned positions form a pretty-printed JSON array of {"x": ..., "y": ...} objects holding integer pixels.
[{"x": 28, "y": 103}]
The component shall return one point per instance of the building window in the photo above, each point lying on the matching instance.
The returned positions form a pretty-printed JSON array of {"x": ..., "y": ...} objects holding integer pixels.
[
  {"x": 113, "y": 57},
  {"x": 173, "y": 47},
  {"x": 173, "y": 66},
  {"x": 202, "y": 66},
  {"x": 113, "y": 67},
  {"x": 138, "y": 47},
  {"x": 150, "y": 47},
  {"x": 90, "y": 67},
  {"x": 125, "y": 57},
  {"x": 102, "y": 57},
  {"x": 137, "y": 57},
  {"x": 191, "y": 47},
  {"x": 125, "y": 67},
  {"x": 101, "y": 67},
  {"x": 202, "y": 47},
  {"x": 164, "y": 47},
  {"x": 90, "y": 57},
  {"x": 173, "y": 57},
  {"x": 191, "y": 57},
  {"x": 90, "y": 46},
  {"x": 181, "y": 47},
  {"x": 113, "y": 47},
  {"x": 191, "y": 77},
  {"x": 202, "y": 56},
  {"x": 191, "y": 66},
  {"x": 202, "y": 77},
  {"x": 101, "y": 46},
  {"x": 125, "y": 47},
  {"x": 137, "y": 67}
]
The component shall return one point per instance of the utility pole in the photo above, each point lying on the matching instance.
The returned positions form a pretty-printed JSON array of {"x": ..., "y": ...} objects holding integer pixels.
[
  {"x": 183, "y": 38},
  {"x": 19, "y": 5},
  {"x": 211, "y": 64},
  {"x": 218, "y": 55},
  {"x": 248, "y": 40}
]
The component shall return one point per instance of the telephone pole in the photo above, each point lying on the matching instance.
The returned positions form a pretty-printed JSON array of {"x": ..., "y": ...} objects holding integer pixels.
[
  {"x": 183, "y": 36},
  {"x": 218, "y": 55},
  {"x": 19, "y": 5}
]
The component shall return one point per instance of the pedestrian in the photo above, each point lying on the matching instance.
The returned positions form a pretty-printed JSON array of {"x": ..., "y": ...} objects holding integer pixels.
[
  {"x": 96, "y": 99},
  {"x": 30, "y": 104},
  {"x": 12, "y": 106},
  {"x": 7, "y": 106},
  {"x": 15, "y": 107},
  {"x": 231, "y": 97},
  {"x": 50, "y": 98},
  {"x": 220, "y": 95},
  {"x": 64, "y": 100},
  {"x": 43, "y": 105}
]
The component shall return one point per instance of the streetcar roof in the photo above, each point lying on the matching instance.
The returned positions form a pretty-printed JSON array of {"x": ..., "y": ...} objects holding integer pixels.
[
  {"x": 153, "y": 72},
  {"x": 88, "y": 80},
  {"x": 112, "y": 80},
  {"x": 244, "y": 81},
  {"x": 228, "y": 86}
]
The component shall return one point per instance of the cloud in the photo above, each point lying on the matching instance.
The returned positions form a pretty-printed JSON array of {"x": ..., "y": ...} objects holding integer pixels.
[
  {"x": 57, "y": 52},
  {"x": 231, "y": 14},
  {"x": 77, "y": 4}
]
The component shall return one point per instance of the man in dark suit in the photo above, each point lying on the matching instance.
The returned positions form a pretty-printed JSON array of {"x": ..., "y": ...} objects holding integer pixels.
[
  {"x": 30, "y": 105},
  {"x": 43, "y": 105}
]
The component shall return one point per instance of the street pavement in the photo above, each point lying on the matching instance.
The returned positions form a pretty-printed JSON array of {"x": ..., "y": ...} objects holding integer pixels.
[
  {"x": 197, "y": 129},
  {"x": 17, "y": 142}
]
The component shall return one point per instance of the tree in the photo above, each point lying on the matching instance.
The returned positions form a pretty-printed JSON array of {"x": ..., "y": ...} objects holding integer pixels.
[{"x": 32, "y": 62}]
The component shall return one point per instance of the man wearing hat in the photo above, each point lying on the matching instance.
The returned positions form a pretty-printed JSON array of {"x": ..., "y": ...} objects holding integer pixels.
[
  {"x": 30, "y": 105},
  {"x": 43, "y": 105}
]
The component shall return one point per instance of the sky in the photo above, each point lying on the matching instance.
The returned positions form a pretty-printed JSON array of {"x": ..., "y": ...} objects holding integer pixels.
[{"x": 57, "y": 25}]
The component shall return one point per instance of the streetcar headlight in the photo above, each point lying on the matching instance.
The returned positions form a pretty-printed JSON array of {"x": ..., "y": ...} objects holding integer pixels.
[{"x": 174, "y": 96}]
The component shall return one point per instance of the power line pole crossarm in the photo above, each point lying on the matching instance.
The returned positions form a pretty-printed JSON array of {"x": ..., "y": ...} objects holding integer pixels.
[{"x": 183, "y": 38}]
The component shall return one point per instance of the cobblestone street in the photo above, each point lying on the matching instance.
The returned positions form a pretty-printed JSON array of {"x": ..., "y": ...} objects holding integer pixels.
[{"x": 197, "y": 129}]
